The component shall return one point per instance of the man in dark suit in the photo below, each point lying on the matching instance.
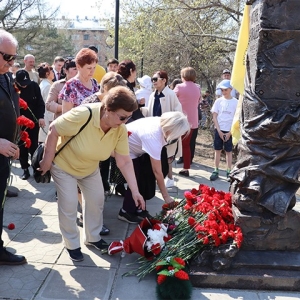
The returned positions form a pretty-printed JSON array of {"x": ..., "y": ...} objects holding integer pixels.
[
  {"x": 9, "y": 111},
  {"x": 58, "y": 68}
]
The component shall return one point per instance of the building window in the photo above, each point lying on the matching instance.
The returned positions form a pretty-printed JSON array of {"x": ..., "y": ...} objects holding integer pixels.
[{"x": 86, "y": 37}]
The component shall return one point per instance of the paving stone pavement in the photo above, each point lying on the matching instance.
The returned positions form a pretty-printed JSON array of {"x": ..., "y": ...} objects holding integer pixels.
[{"x": 50, "y": 274}]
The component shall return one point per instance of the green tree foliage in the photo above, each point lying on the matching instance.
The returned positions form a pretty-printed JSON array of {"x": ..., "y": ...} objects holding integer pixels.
[
  {"x": 32, "y": 22},
  {"x": 172, "y": 34}
]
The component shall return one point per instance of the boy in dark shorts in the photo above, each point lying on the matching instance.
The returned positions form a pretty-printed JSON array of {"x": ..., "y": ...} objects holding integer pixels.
[{"x": 223, "y": 112}]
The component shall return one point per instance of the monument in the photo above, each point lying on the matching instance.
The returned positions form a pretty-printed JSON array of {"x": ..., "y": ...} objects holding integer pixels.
[{"x": 265, "y": 179}]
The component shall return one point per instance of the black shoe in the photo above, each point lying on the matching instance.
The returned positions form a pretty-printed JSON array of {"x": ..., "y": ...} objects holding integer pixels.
[
  {"x": 144, "y": 214},
  {"x": 104, "y": 230},
  {"x": 25, "y": 175},
  {"x": 11, "y": 194},
  {"x": 100, "y": 245},
  {"x": 128, "y": 217},
  {"x": 8, "y": 258},
  {"x": 75, "y": 254},
  {"x": 180, "y": 160},
  {"x": 120, "y": 190},
  {"x": 184, "y": 173}
]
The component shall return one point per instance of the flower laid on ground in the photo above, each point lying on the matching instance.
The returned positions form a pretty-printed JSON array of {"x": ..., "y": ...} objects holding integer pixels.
[
  {"x": 11, "y": 226},
  {"x": 201, "y": 221},
  {"x": 148, "y": 239},
  {"x": 172, "y": 279}
]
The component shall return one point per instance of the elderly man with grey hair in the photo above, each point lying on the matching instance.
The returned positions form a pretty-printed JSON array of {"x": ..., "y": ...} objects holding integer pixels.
[
  {"x": 29, "y": 61},
  {"x": 9, "y": 111}
]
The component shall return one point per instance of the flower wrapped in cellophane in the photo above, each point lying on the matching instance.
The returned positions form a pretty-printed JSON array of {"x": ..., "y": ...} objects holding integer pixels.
[{"x": 148, "y": 239}]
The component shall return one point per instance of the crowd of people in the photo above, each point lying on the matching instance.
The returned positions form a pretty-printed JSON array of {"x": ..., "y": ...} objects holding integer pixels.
[{"x": 95, "y": 123}]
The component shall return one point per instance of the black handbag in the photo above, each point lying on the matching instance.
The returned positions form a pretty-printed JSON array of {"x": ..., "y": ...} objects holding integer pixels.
[{"x": 39, "y": 152}]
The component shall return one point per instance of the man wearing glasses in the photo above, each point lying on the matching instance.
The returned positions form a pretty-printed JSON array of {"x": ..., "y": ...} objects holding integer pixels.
[{"x": 9, "y": 111}]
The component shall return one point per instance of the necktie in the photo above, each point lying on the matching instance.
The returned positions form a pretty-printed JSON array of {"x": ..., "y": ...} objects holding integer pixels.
[{"x": 58, "y": 76}]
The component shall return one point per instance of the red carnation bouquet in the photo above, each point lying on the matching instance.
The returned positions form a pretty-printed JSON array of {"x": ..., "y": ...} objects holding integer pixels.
[
  {"x": 202, "y": 220},
  {"x": 24, "y": 123}
]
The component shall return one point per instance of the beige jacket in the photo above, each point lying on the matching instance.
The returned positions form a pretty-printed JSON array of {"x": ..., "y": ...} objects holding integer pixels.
[{"x": 52, "y": 103}]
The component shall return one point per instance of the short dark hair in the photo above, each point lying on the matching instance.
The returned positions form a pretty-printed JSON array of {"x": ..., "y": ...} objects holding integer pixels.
[
  {"x": 174, "y": 83},
  {"x": 94, "y": 48},
  {"x": 112, "y": 61},
  {"x": 70, "y": 63}
]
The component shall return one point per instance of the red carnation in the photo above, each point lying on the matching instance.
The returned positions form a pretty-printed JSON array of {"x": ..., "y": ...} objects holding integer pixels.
[
  {"x": 179, "y": 260},
  {"x": 23, "y": 104},
  {"x": 30, "y": 124},
  {"x": 155, "y": 249},
  {"x": 11, "y": 226},
  {"x": 129, "y": 133},
  {"x": 182, "y": 275},
  {"x": 191, "y": 221},
  {"x": 167, "y": 238},
  {"x": 24, "y": 135},
  {"x": 161, "y": 279},
  {"x": 27, "y": 143},
  {"x": 156, "y": 227}
]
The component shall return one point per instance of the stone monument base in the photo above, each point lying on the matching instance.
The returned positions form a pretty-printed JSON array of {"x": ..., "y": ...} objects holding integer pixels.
[
  {"x": 256, "y": 270},
  {"x": 268, "y": 231}
]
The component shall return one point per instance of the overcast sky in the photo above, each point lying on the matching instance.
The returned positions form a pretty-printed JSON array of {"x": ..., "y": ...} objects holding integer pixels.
[{"x": 83, "y": 8}]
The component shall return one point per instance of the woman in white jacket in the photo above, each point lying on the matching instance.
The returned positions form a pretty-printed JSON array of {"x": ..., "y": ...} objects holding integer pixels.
[{"x": 46, "y": 74}]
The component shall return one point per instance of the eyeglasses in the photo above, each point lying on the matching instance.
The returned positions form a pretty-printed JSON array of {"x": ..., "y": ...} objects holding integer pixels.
[
  {"x": 8, "y": 57},
  {"x": 122, "y": 118},
  {"x": 155, "y": 79}
]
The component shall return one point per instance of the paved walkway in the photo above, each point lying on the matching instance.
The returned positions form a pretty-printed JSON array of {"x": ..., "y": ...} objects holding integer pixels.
[{"x": 50, "y": 274}]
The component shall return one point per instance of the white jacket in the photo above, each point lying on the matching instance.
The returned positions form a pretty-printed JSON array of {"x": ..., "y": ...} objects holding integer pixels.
[{"x": 168, "y": 103}]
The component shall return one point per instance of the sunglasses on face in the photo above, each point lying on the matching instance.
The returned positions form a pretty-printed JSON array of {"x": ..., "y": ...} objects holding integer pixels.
[
  {"x": 155, "y": 79},
  {"x": 122, "y": 118},
  {"x": 8, "y": 57}
]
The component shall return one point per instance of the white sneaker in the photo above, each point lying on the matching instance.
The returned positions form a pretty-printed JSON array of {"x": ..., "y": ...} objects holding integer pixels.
[{"x": 169, "y": 182}]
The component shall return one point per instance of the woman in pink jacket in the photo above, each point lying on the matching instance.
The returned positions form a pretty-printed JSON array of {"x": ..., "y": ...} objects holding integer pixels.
[{"x": 189, "y": 95}]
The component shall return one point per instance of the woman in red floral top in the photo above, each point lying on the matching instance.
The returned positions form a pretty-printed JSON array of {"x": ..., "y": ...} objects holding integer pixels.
[{"x": 82, "y": 85}]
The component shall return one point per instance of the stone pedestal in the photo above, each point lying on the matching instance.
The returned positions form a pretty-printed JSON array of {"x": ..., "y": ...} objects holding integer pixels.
[
  {"x": 269, "y": 232},
  {"x": 256, "y": 270}
]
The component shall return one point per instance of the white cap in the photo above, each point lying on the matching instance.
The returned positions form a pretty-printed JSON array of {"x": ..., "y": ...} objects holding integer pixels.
[{"x": 145, "y": 82}]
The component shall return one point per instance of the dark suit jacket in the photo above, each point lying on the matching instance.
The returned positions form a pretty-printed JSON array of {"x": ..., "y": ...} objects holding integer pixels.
[
  {"x": 9, "y": 110},
  {"x": 62, "y": 75}
]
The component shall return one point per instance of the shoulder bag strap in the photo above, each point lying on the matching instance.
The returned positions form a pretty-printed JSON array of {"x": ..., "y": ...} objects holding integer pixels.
[{"x": 82, "y": 127}]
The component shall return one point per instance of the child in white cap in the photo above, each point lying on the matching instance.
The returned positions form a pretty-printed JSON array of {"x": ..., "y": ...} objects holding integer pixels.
[{"x": 223, "y": 112}]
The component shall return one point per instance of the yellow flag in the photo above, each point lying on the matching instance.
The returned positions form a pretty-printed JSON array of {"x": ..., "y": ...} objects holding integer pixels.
[{"x": 239, "y": 70}]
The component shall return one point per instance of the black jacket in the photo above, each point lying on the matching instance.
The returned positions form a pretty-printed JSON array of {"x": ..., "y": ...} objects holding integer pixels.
[
  {"x": 9, "y": 110},
  {"x": 32, "y": 95}
]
